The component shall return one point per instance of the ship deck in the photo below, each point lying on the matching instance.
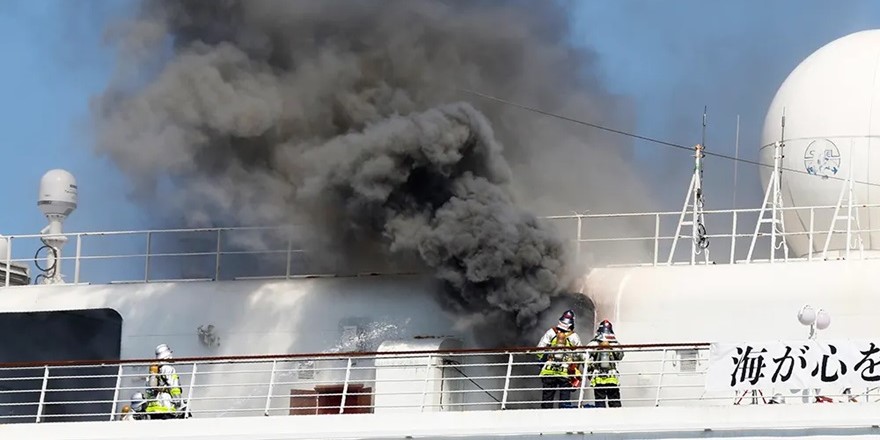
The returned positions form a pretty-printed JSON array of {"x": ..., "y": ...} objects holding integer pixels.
[{"x": 415, "y": 394}]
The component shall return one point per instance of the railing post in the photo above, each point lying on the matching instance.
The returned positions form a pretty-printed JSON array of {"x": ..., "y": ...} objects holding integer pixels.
[
  {"x": 77, "y": 259},
  {"x": 192, "y": 386},
  {"x": 345, "y": 386},
  {"x": 656, "y": 237},
  {"x": 148, "y": 253},
  {"x": 116, "y": 392},
  {"x": 810, "y": 238},
  {"x": 427, "y": 378},
  {"x": 583, "y": 380},
  {"x": 271, "y": 385},
  {"x": 8, "y": 260},
  {"x": 43, "y": 393},
  {"x": 507, "y": 381},
  {"x": 579, "y": 237},
  {"x": 733, "y": 240},
  {"x": 660, "y": 380},
  {"x": 217, "y": 260},
  {"x": 289, "y": 254}
]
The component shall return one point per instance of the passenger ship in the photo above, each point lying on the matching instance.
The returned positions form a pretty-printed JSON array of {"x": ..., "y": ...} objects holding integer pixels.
[{"x": 252, "y": 351}]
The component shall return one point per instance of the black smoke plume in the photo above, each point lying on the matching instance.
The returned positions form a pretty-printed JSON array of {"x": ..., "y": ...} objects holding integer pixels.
[{"x": 346, "y": 116}]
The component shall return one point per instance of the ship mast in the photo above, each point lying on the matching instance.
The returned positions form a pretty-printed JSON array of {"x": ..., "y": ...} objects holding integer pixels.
[{"x": 693, "y": 207}]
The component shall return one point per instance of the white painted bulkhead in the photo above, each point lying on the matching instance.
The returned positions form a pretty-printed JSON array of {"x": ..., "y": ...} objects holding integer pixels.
[
  {"x": 317, "y": 315},
  {"x": 726, "y": 303},
  {"x": 250, "y": 317}
]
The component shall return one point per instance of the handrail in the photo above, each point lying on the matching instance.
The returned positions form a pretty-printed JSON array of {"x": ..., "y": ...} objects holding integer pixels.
[
  {"x": 162, "y": 253},
  {"x": 426, "y": 380},
  {"x": 340, "y": 355}
]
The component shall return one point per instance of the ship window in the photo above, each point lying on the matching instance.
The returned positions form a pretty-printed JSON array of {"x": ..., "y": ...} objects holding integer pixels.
[{"x": 39, "y": 337}]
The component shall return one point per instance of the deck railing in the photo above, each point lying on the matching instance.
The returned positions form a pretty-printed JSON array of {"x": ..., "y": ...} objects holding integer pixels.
[
  {"x": 429, "y": 381},
  {"x": 276, "y": 252}
]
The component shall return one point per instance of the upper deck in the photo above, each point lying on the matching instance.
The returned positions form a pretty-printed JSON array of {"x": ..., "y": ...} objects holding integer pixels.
[
  {"x": 626, "y": 239},
  {"x": 424, "y": 393}
]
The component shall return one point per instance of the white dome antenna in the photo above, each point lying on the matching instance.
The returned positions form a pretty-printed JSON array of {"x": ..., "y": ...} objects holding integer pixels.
[
  {"x": 820, "y": 138},
  {"x": 57, "y": 199},
  {"x": 58, "y": 194}
]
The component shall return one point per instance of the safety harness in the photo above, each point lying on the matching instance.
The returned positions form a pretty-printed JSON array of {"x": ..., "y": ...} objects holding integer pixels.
[{"x": 553, "y": 367}]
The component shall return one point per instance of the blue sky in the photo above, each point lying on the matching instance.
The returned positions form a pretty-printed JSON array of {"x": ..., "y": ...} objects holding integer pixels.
[
  {"x": 673, "y": 57},
  {"x": 53, "y": 62},
  {"x": 669, "y": 57}
]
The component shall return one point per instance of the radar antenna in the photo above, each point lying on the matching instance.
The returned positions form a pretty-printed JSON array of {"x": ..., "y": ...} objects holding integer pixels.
[
  {"x": 773, "y": 203},
  {"x": 693, "y": 205},
  {"x": 57, "y": 199}
]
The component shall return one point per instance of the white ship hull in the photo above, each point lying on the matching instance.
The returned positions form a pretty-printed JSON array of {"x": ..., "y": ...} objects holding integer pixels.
[{"x": 756, "y": 422}]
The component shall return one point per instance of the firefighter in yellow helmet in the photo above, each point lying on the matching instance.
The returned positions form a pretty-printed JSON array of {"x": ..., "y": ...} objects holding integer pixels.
[
  {"x": 126, "y": 414},
  {"x": 602, "y": 365},
  {"x": 556, "y": 369},
  {"x": 136, "y": 410}
]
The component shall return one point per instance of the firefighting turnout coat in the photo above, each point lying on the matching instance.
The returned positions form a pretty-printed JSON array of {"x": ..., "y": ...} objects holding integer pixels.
[
  {"x": 602, "y": 363},
  {"x": 557, "y": 362}
]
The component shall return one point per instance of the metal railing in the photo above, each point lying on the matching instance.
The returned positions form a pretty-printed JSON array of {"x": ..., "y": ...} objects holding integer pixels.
[
  {"x": 648, "y": 239},
  {"x": 464, "y": 380},
  {"x": 200, "y": 254},
  {"x": 206, "y": 254}
]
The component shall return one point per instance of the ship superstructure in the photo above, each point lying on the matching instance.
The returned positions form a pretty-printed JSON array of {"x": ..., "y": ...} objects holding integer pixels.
[{"x": 279, "y": 351}]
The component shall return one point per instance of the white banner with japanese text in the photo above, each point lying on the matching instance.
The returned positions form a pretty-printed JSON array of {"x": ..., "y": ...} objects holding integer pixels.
[{"x": 793, "y": 365}]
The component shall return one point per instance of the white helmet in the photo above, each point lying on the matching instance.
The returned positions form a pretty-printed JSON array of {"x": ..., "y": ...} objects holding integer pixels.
[
  {"x": 163, "y": 352},
  {"x": 138, "y": 401}
]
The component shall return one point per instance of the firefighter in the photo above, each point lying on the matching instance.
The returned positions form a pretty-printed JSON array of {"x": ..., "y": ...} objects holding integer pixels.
[
  {"x": 163, "y": 381},
  {"x": 604, "y": 377},
  {"x": 136, "y": 410},
  {"x": 159, "y": 406},
  {"x": 557, "y": 364},
  {"x": 127, "y": 414}
]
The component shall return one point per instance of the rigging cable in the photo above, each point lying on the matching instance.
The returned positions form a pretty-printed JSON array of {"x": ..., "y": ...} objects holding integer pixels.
[
  {"x": 645, "y": 138},
  {"x": 50, "y": 271}
]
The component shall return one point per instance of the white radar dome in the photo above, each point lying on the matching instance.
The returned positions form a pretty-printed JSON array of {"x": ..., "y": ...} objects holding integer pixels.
[
  {"x": 57, "y": 193},
  {"x": 831, "y": 103}
]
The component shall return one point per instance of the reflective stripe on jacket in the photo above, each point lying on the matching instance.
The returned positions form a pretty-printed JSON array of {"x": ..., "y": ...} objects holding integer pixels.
[
  {"x": 172, "y": 381},
  {"x": 156, "y": 407},
  {"x": 604, "y": 380}
]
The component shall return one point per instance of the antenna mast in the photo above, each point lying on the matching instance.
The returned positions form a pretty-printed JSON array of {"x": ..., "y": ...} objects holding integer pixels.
[
  {"x": 773, "y": 203},
  {"x": 852, "y": 215},
  {"x": 693, "y": 204},
  {"x": 735, "y": 162}
]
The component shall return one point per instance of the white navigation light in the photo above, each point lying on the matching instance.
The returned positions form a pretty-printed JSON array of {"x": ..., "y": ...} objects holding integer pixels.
[
  {"x": 831, "y": 103},
  {"x": 815, "y": 319},
  {"x": 58, "y": 194},
  {"x": 823, "y": 319},
  {"x": 807, "y": 316}
]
